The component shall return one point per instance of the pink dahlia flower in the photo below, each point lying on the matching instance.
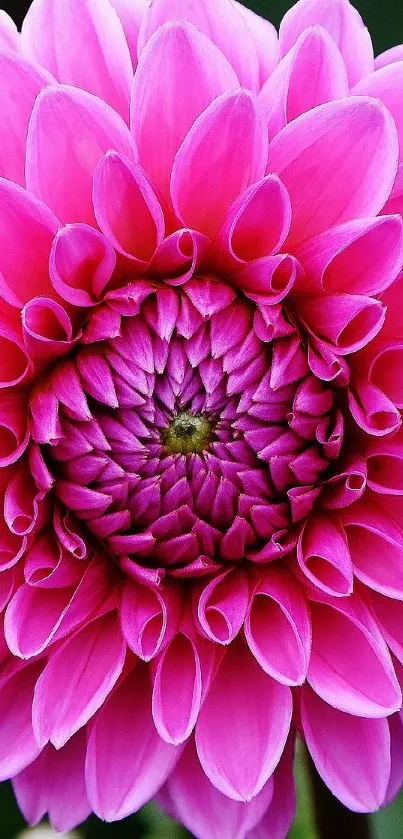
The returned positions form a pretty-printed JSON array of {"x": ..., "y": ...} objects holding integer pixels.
[{"x": 201, "y": 442}]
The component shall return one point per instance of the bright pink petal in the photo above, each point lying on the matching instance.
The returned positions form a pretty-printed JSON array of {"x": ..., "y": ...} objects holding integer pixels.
[
  {"x": 350, "y": 666},
  {"x": 351, "y": 754},
  {"x": 18, "y": 746},
  {"x": 359, "y": 257},
  {"x": 149, "y": 617},
  {"x": 239, "y": 758},
  {"x": 343, "y": 23},
  {"x": 221, "y": 22},
  {"x": 9, "y": 38},
  {"x": 351, "y": 147},
  {"x": 127, "y": 761},
  {"x": 55, "y": 784},
  {"x": 222, "y": 605},
  {"x": 311, "y": 74},
  {"x": 27, "y": 229},
  {"x": 385, "y": 85},
  {"x": 277, "y": 628},
  {"x": 389, "y": 57},
  {"x": 324, "y": 557},
  {"x": 77, "y": 680},
  {"x": 265, "y": 39},
  {"x": 131, "y": 13},
  {"x": 208, "y": 175},
  {"x": 207, "y": 812},
  {"x": 181, "y": 69},
  {"x": 177, "y": 690},
  {"x": 20, "y": 83},
  {"x": 82, "y": 43},
  {"x": 81, "y": 265},
  {"x": 127, "y": 210},
  {"x": 279, "y": 816},
  {"x": 62, "y": 116}
]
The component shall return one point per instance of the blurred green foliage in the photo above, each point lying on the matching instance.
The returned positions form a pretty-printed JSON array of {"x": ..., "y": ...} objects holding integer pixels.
[{"x": 385, "y": 21}]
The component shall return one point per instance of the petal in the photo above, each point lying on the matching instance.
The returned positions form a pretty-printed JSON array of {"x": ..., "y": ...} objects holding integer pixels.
[
  {"x": 20, "y": 83},
  {"x": 311, "y": 74},
  {"x": 221, "y": 22},
  {"x": 120, "y": 780},
  {"x": 149, "y": 617},
  {"x": 179, "y": 69},
  {"x": 265, "y": 38},
  {"x": 55, "y": 784},
  {"x": 18, "y": 747},
  {"x": 76, "y": 681},
  {"x": 81, "y": 264},
  {"x": 385, "y": 85},
  {"x": 82, "y": 43},
  {"x": 27, "y": 229},
  {"x": 359, "y": 257},
  {"x": 177, "y": 690},
  {"x": 131, "y": 13},
  {"x": 279, "y": 816},
  {"x": 9, "y": 37},
  {"x": 61, "y": 118},
  {"x": 347, "y": 321},
  {"x": 323, "y": 556},
  {"x": 239, "y": 758},
  {"x": 277, "y": 627},
  {"x": 389, "y": 57},
  {"x": 222, "y": 605},
  {"x": 127, "y": 210},
  {"x": 338, "y": 163},
  {"x": 343, "y": 23},
  {"x": 350, "y": 665},
  {"x": 351, "y": 754},
  {"x": 207, "y": 812},
  {"x": 224, "y": 152}
]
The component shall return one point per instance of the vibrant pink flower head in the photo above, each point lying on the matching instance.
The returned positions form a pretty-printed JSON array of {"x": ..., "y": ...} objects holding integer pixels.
[{"x": 201, "y": 442}]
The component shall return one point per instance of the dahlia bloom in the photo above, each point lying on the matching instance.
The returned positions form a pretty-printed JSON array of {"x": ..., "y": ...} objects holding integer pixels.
[{"x": 201, "y": 442}]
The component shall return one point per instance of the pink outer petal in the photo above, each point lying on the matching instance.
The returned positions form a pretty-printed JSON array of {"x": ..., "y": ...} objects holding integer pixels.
[
  {"x": 279, "y": 816},
  {"x": 127, "y": 210},
  {"x": 385, "y": 84},
  {"x": 277, "y": 627},
  {"x": 359, "y": 257},
  {"x": 239, "y": 758},
  {"x": 81, "y": 265},
  {"x": 224, "y": 152},
  {"x": 207, "y": 812},
  {"x": 83, "y": 44},
  {"x": 221, "y": 22},
  {"x": 131, "y": 13},
  {"x": 265, "y": 39},
  {"x": 389, "y": 615},
  {"x": 55, "y": 784},
  {"x": 351, "y": 754},
  {"x": 256, "y": 225},
  {"x": 127, "y": 762},
  {"x": 338, "y": 163},
  {"x": 9, "y": 38},
  {"x": 363, "y": 682},
  {"x": 179, "y": 69},
  {"x": 27, "y": 228},
  {"x": 343, "y": 23},
  {"x": 18, "y": 746},
  {"x": 311, "y": 74},
  {"x": 177, "y": 691},
  {"x": 63, "y": 117},
  {"x": 394, "y": 203},
  {"x": 396, "y": 754},
  {"x": 149, "y": 617},
  {"x": 76, "y": 681},
  {"x": 20, "y": 83},
  {"x": 389, "y": 57}
]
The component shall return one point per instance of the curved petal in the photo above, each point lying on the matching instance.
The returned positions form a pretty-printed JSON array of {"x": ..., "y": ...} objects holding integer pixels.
[
  {"x": 343, "y": 23},
  {"x": 311, "y": 74},
  {"x": 120, "y": 780},
  {"x": 179, "y": 70},
  {"x": 385, "y": 85},
  {"x": 76, "y": 681},
  {"x": 131, "y": 13},
  {"x": 177, "y": 691},
  {"x": 208, "y": 175},
  {"x": 9, "y": 36},
  {"x": 323, "y": 556},
  {"x": 389, "y": 57},
  {"x": 221, "y": 606},
  {"x": 81, "y": 264},
  {"x": 277, "y": 627},
  {"x": 207, "y": 812},
  {"x": 240, "y": 758},
  {"x": 352, "y": 754},
  {"x": 350, "y": 666},
  {"x": 338, "y": 163},
  {"x": 221, "y": 22},
  {"x": 61, "y": 118},
  {"x": 347, "y": 321},
  {"x": 18, "y": 746},
  {"x": 127, "y": 210},
  {"x": 82, "y": 43},
  {"x": 149, "y": 617}
]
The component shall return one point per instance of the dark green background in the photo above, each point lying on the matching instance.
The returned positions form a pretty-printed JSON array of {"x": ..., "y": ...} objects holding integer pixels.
[{"x": 385, "y": 21}]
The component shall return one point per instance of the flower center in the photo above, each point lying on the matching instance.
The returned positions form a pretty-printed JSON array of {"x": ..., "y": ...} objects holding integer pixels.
[{"x": 188, "y": 434}]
